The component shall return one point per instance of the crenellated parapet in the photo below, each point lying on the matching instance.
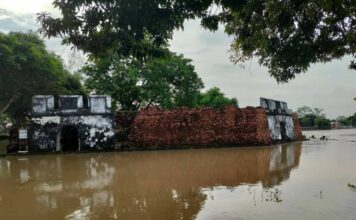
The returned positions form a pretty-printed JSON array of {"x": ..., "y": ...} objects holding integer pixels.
[{"x": 71, "y": 104}]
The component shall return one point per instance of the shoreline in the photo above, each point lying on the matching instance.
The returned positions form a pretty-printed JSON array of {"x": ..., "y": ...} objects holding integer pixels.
[{"x": 146, "y": 149}]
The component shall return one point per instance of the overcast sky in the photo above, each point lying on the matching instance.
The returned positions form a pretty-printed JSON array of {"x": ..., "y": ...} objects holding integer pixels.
[{"x": 329, "y": 86}]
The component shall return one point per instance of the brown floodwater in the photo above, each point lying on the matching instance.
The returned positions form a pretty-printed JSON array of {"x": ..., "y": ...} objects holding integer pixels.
[{"x": 306, "y": 180}]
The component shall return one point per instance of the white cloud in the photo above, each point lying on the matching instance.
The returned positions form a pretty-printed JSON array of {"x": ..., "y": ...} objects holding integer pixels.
[
  {"x": 27, "y": 6},
  {"x": 11, "y": 21}
]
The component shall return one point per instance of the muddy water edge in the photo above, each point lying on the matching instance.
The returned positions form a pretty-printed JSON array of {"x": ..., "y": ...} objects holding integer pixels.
[{"x": 306, "y": 180}]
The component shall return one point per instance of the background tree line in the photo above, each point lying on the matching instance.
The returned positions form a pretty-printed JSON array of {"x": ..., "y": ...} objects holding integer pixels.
[
  {"x": 314, "y": 118},
  {"x": 347, "y": 120}
]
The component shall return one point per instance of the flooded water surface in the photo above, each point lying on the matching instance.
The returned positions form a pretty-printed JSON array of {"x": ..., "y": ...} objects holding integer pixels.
[{"x": 306, "y": 180}]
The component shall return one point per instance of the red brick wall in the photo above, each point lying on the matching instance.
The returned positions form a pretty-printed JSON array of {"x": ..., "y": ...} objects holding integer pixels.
[
  {"x": 297, "y": 127},
  {"x": 153, "y": 127}
]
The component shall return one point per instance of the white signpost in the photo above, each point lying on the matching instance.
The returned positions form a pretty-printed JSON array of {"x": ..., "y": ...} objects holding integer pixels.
[{"x": 22, "y": 134}]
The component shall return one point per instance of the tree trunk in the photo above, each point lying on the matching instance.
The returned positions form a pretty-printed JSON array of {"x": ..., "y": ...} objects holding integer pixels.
[{"x": 7, "y": 106}]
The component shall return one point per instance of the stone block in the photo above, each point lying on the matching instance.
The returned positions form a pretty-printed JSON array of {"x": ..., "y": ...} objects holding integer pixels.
[{"x": 42, "y": 103}]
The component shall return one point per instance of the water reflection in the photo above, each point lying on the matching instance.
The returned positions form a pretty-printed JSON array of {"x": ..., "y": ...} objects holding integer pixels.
[{"x": 140, "y": 185}]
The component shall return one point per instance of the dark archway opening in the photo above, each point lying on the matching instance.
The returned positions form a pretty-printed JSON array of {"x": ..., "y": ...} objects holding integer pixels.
[
  {"x": 282, "y": 126},
  {"x": 69, "y": 138}
]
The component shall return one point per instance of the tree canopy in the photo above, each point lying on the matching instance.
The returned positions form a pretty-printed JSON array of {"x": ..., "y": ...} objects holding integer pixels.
[
  {"x": 215, "y": 98},
  {"x": 322, "y": 123},
  {"x": 347, "y": 120},
  {"x": 306, "y": 110},
  {"x": 27, "y": 69},
  {"x": 313, "y": 117},
  {"x": 286, "y": 36},
  {"x": 133, "y": 27},
  {"x": 168, "y": 82}
]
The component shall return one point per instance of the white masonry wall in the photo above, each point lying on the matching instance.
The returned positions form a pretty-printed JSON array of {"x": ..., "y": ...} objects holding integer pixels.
[
  {"x": 275, "y": 129},
  {"x": 99, "y": 103},
  {"x": 42, "y": 103}
]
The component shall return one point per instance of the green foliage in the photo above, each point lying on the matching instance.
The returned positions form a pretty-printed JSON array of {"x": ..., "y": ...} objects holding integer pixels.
[
  {"x": 352, "y": 118},
  {"x": 133, "y": 27},
  {"x": 347, "y": 121},
  {"x": 27, "y": 69},
  {"x": 216, "y": 99},
  {"x": 286, "y": 36},
  {"x": 312, "y": 117},
  {"x": 308, "y": 120},
  {"x": 305, "y": 110},
  {"x": 344, "y": 120},
  {"x": 170, "y": 81},
  {"x": 322, "y": 123},
  {"x": 4, "y": 119}
]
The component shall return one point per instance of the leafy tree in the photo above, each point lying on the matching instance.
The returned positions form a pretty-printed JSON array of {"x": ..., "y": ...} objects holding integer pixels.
[
  {"x": 4, "y": 120},
  {"x": 344, "y": 120},
  {"x": 352, "y": 118},
  {"x": 322, "y": 123},
  {"x": 215, "y": 98},
  {"x": 27, "y": 69},
  {"x": 308, "y": 116},
  {"x": 286, "y": 36},
  {"x": 305, "y": 110},
  {"x": 308, "y": 120},
  {"x": 347, "y": 121},
  {"x": 133, "y": 27},
  {"x": 170, "y": 81}
]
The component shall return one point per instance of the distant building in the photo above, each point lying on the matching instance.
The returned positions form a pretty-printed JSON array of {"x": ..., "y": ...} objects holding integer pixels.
[
  {"x": 71, "y": 127},
  {"x": 335, "y": 124}
]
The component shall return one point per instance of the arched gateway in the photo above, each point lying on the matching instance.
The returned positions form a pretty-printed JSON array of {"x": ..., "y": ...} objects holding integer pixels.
[{"x": 69, "y": 138}]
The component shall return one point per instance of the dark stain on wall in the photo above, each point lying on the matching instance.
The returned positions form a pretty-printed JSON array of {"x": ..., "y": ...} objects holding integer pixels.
[{"x": 71, "y": 127}]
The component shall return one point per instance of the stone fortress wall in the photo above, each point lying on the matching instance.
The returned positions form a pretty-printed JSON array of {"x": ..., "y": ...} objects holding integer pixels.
[
  {"x": 71, "y": 126},
  {"x": 156, "y": 128}
]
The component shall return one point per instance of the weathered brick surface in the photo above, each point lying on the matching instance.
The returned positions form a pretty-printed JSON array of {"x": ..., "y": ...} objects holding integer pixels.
[
  {"x": 297, "y": 128},
  {"x": 153, "y": 127},
  {"x": 123, "y": 121}
]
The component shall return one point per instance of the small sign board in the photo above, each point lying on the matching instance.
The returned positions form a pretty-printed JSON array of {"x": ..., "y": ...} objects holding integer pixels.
[{"x": 22, "y": 134}]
